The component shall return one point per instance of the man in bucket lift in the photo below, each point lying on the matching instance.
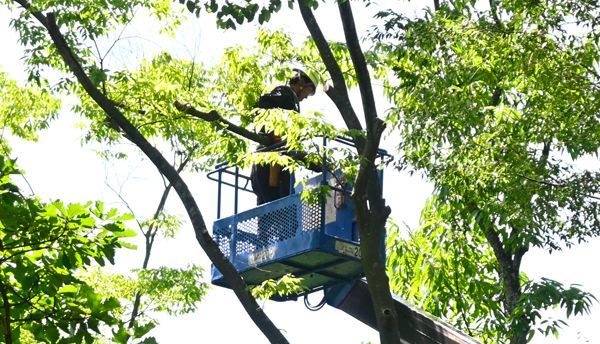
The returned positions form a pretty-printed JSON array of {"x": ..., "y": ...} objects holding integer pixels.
[{"x": 270, "y": 182}]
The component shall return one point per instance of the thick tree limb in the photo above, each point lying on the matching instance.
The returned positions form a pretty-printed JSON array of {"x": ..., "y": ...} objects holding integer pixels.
[
  {"x": 206, "y": 242},
  {"x": 497, "y": 246},
  {"x": 365, "y": 182},
  {"x": 372, "y": 231},
  {"x": 518, "y": 256},
  {"x": 371, "y": 210},
  {"x": 339, "y": 92},
  {"x": 214, "y": 116},
  {"x": 375, "y": 126},
  {"x": 359, "y": 63},
  {"x": 509, "y": 271}
]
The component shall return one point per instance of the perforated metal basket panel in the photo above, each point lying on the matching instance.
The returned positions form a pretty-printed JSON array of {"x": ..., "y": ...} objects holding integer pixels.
[
  {"x": 277, "y": 221},
  {"x": 311, "y": 216},
  {"x": 222, "y": 236}
]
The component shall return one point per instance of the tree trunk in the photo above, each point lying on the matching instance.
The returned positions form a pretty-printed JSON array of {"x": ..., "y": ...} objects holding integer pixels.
[
  {"x": 371, "y": 211},
  {"x": 512, "y": 294},
  {"x": 378, "y": 282},
  {"x": 520, "y": 337},
  {"x": 6, "y": 329},
  {"x": 509, "y": 270},
  {"x": 372, "y": 226}
]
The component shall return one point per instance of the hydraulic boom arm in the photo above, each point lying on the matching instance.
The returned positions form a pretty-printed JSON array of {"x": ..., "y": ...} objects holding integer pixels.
[{"x": 416, "y": 327}]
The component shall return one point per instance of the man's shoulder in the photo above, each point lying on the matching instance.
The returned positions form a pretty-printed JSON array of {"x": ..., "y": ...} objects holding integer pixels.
[
  {"x": 280, "y": 97},
  {"x": 283, "y": 90}
]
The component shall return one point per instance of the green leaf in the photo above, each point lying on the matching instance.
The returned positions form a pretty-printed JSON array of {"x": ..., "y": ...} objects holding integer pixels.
[
  {"x": 68, "y": 289},
  {"x": 141, "y": 330}
]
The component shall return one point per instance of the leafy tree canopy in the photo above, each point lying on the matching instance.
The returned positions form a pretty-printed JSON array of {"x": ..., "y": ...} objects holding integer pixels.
[
  {"x": 496, "y": 105},
  {"x": 42, "y": 246},
  {"x": 24, "y": 111}
]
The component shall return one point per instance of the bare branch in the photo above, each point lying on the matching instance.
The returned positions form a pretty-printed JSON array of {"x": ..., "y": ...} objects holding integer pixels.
[
  {"x": 124, "y": 201},
  {"x": 118, "y": 39}
]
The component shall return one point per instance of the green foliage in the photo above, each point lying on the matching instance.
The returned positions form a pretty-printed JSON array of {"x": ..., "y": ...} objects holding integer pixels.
[
  {"x": 476, "y": 116},
  {"x": 231, "y": 88},
  {"x": 24, "y": 110},
  {"x": 496, "y": 107},
  {"x": 147, "y": 95},
  {"x": 167, "y": 225},
  {"x": 162, "y": 290},
  {"x": 171, "y": 290},
  {"x": 315, "y": 195},
  {"x": 547, "y": 294},
  {"x": 232, "y": 14},
  {"x": 284, "y": 286},
  {"x": 452, "y": 274},
  {"x": 42, "y": 245},
  {"x": 449, "y": 273}
]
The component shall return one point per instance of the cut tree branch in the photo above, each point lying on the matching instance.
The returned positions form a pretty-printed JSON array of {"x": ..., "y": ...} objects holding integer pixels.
[{"x": 214, "y": 116}]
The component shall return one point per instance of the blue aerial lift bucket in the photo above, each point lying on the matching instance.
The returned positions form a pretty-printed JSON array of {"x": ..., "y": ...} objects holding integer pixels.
[{"x": 317, "y": 242}]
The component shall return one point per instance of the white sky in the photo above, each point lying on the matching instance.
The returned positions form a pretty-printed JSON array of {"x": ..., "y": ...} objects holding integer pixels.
[{"x": 58, "y": 167}]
